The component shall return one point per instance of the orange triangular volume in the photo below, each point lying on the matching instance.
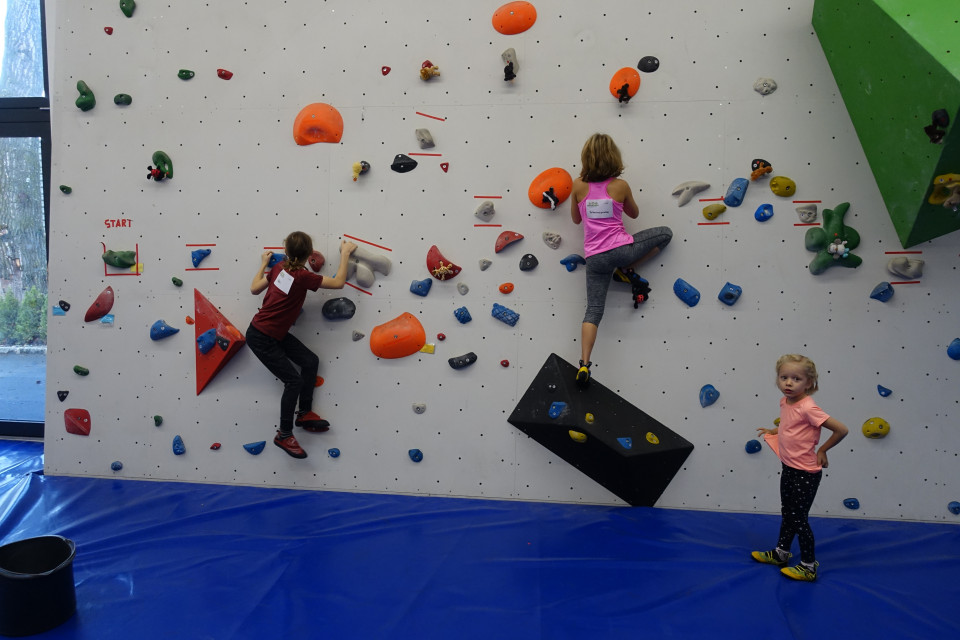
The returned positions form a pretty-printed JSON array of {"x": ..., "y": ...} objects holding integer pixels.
[{"x": 209, "y": 317}]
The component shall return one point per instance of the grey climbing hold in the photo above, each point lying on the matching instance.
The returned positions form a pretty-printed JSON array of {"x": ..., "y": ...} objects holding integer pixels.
[
  {"x": 485, "y": 211},
  {"x": 510, "y": 56},
  {"x": 364, "y": 263},
  {"x": 421, "y": 287},
  {"x": 462, "y": 315},
  {"x": 403, "y": 164},
  {"x": 708, "y": 395},
  {"x": 504, "y": 314},
  {"x": 686, "y": 191},
  {"x": 462, "y": 288},
  {"x": 415, "y": 454},
  {"x": 807, "y": 213},
  {"x": 356, "y": 336},
  {"x": 255, "y": 448},
  {"x": 528, "y": 262},
  {"x": 419, "y": 407},
  {"x": 752, "y": 446},
  {"x": 765, "y": 86},
  {"x": 882, "y": 292},
  {"x": 459, "y": 362},
  {"x": 178, "y": 447},
  {"x": 338, "y": 309},
  {"x": 551, "y": 239},
  {"x": 485, "y": 264},
  {"x": 425, "y": 139},
  {"x": 905, "y": 267}
]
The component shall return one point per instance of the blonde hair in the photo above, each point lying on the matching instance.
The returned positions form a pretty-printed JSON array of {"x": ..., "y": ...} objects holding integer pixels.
[
  {"x": 298, "y": 247},
  {"x": 809, "y": 369},
  {"x": 600, "y": 159}
]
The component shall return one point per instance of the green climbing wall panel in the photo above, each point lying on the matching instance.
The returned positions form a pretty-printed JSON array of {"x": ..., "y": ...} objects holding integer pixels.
[{"x": 896, "y": 62}]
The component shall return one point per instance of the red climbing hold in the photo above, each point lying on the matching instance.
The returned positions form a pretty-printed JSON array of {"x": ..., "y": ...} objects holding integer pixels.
[
  {"x": 439, "y": 267},
  {"x": 318, "y": 382},
  {"x": 506, "y": 238},
  {"x": 77, "y": 421},
  {"x": 224, "y": 74},
  {"x": 441, "y": 337},
  {"x": 108, "y": 30},
  {"x": 215, "y": 446},
  {"x": 504, "y": 363},
  {"x": 101, "y": 306},
  {"x": 384, "y": 70},
  {"x": 209, "y": 317},
  {"x": 445, "y": 166},
  {"x": 188, "y": 320},
  {"x": 316, "y": 261}
]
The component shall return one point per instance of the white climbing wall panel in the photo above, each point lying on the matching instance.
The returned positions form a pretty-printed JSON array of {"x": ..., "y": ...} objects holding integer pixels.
[{"x": 242, "y": 184}]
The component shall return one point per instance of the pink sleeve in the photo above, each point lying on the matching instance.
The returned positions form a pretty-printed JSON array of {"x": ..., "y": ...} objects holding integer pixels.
[{"x": 815, "y": 415}]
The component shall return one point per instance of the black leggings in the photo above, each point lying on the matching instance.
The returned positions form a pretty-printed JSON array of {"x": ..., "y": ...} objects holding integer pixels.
[
  {"x": 797, "y": 491},
  {"x": 277, "y": 355}
]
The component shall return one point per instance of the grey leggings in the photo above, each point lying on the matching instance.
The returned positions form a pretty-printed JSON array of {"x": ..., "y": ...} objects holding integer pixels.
[{"x": 600, "y": 266}]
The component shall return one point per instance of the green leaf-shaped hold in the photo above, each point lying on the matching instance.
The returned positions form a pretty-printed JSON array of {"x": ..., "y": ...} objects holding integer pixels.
[
  {"x": 87, "y": 100},
  {"x": 128, "y": 7},
  {"x": 122, "y": 259},
  {"x": 163, "y": 162},
  {"x": 832, "y": 242}
]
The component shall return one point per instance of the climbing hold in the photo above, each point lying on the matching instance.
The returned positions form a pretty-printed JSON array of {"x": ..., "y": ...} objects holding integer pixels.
[
  {"x": 274, "y": 259},
  {"x": 462, "y": 315},
  {"x": 439, "y": 267},
  {"x": 946, "y": 191},
  {"x": 333, "y": 452},
  {"x": 729, "y": 294},
  {"x": 425, "y": 138},
  {"x": 65, "y": 189},
  {"x": 577, "y": 436},
  {"x": 851, "y": 503},
  {"x": 428, "y": 70},
  {"x": 122, "y": 259},
  {"x": 108, "y": 31},
  {"x": 338, "y": 309},
  {"x": 833, "y": 241},
  {"x": 444, "y": 166},
  {"x": 953, "y": 349},
  {"x": 163, "y": 167},
  {"x": 400, "y": 337},
  {"x": 81, "y": 371},
  {"x": 712, "y": 211},
  {"x": 101, "y": 306},
  {"x": 686, "y": 191},
  {"x": 462, "y": 288},
  {"x": 441, "y": 337},
  {"x": 177, "y": 282},
  {"x": 485, "y": 211},
  {"x": 882, "y": 292},
  {"x": 128, "y": 7},
  {"x": 255, "y": 448},
  {"x": 883, "y": 391},
  {"x": 648, "y": 64},
  {"x": 197, "y": 256},
  {"x": 624, "y": 84},
  {"x": 686, "y": 292},
  {"x": 465, "y": 360},
  {"x": 550, "y": 188},
  {"x": 77, "y": 421},
  {"x": 57, "y": 311},
  {"x": 359, "y": 168},
  {"x": 403, "y": 163},
  {"x": 783, "y": 186},
  {"x": 116, "y": 465},
  {"x": 759, "y": 168},
  {"x": 708, "y": 395},
  {"x": 735, "y": 192},
  {"x": 419, "y": 407},
  {"x": 87, "y": 100},
  {"x": 206, "y": 340},
  {"x": 807, "y": 213},
  {"x": 556, "y": 409},
  {"x": 356, "y": 336},
  {"x": 157, "y": 420},
  {"x": 514, "y": 17},
  {"x": 107, "y": 319},
  {"x": 62, "y": 395},
  {"x": 504, "y": 314},
  {"x": 223, "y": 343},
  {"x": 505, "y": 239},
  {"x": 504, "y": 363},
  {"x": 64, "y": 305},
  {"x": 876, "y": 428},
  {"x": 215, "y": 446},
  {"x": 572, "y": 260},
  {"x": 765, "y": 86},
  {"x": 506, "y": 287},
  {"x": 485, "y": 264},
  {"x": 763, "y": 213},
  {"x": 122, "y": 99},
  {"x": 364, "y": 263},
  {"x": 421, "y": 287},
  {"x": 384, "y": 70},
  {"x": 316, "y": 261},
  {"x": 318, "y": 382},
  {"x": 753, "y": 446},
  {"x": 185, "y": 74},
  {"x": 910, "y": 268},
  {"x": 626, "y": 443},
  {"x": 160, "y": 330},
  {"x": 188, "y": 320},
  {"x": 590, "y": 418},
  {"x": 415, "y": 454},
  {"x": 528, "y": 262},
  {"x": 954, "y": 507},
  {"x": 551, "y": 239},
  {"x": 512, "y": 64},
  {"x": 652, "y": 438},
  {"x": 178, "y": 447},
  {"x": 223, "y": 74},
  {"x": 317, "y": 122}
]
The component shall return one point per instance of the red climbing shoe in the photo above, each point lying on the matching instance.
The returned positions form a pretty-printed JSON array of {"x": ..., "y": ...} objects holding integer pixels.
[
  {"x": 290, "y": 445},
  {"x": 312, "y": 422}
]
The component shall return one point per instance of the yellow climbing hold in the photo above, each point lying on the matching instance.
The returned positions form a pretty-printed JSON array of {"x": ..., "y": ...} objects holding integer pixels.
[
  {"x": 711, "y": 211},
  {"x": 783, "y": 186},
  {"x": 876, "y": 428},
  {"x": 589, "y": 418},
  {"x": 428, "y": 348},
  {"x": 652, "y": 438},
  {"x": 577, "y": 436}
]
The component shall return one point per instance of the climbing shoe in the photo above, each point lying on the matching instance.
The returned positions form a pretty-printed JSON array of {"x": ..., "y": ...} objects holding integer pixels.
[
  {"x": 290, "y": 445},
  {"x": 311, "y": 422},
  {"x": 583, "y": 375},
  {"x": 640, "y": 287},
  {"x": 801, "y": 572},
  {"x": 772, "y": 557}
]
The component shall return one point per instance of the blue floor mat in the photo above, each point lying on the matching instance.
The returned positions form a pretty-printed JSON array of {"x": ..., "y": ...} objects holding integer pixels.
[{"x": 177, "y": 560}]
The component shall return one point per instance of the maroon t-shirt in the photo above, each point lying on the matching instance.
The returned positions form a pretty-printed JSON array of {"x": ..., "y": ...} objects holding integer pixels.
[{"x": 280, "y": 310}]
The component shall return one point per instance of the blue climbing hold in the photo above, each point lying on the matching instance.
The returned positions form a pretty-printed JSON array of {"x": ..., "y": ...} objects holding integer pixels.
[
  {"x": 463, "y": 315},
  {"x": 116, "y": 465},
  {"x": 503, "y": 314},
  {"x": 626, "y": 443},
  {"x": 415, "y": 454},
  {"x": 954, "y": 508},
  {"x": 421, "y": 287},
  {"x": 753, "y": 446},
  {"x": 708, "y": 395},
  {"x": 572, "y": 260},
  {"x": 729, "y": 294},
  {"x": 275, "y": 258},
  {"x": 953, "y": 350},
  {"x": 882, "y": 292},
  {"x": 557, "y": 408},
  {"x": 883, "y": 391},
  {"x": 107, "y": 319},
  {"x": 686, "y": 292},
  {"x": 178, "y": 447},
  {"x": 735, "y": 192},
  {"x": 851, "y": 503},
  {"x": 197, "y": 256},
  {"x": 161, "y": 330},
  {"x": 764, "y": 212},
  {"x": 255, "y": 448},
  {"x": 58, "y": 311},
  {"x": 333, "y": 453},
  {"x": 206, "y": 340}
]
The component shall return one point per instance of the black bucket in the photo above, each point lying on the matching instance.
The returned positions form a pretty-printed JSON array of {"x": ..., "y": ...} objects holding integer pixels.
[{"x": 36, "y": 585}]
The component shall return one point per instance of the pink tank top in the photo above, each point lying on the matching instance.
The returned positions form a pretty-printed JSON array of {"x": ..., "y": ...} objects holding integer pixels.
[{"x": 602, "y": 218}]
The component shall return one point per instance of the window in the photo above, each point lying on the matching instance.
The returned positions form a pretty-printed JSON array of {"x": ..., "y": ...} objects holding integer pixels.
[{"x": 24, "y": 217}]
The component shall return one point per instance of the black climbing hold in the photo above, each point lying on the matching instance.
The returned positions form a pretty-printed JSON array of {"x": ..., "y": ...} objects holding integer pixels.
[
  {"x": 339, "y": 309},
  {"x": 459, "y": 362},
  {"x": 63, "y": 304},
  {"x": 528, "y": 262},
  {"x": 223, "y": 343},
  {"x": 62, "y": 395},
  {"x": 648, "y": 64},
  {"x": 403, "y": 163},
  {"x": 941, "y": 118}
]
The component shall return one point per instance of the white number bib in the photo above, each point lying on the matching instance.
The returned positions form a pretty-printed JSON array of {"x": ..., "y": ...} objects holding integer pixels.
[
  {"x": 283, "y": 281},
  {"x": 599, "y": 208}
]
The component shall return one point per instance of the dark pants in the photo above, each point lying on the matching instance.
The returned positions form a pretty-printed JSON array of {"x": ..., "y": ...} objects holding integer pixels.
[
  {"x": 277, "y": 356},
  {"x": 797, "y": 491}
]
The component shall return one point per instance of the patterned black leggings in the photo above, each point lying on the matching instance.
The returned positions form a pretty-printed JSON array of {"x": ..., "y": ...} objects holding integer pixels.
[{"x": 797, "y": 491}]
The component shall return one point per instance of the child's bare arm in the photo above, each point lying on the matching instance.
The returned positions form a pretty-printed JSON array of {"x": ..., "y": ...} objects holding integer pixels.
[
  {"x": 840, "y": 432},
  {"x": 260, "y": 281}
]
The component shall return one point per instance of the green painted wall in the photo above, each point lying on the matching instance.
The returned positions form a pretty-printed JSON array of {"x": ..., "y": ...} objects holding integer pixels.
[{"x": 895, "y": 62}]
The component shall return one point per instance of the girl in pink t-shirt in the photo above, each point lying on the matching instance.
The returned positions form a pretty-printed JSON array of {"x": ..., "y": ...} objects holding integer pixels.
[
  {"x": 794, "y": 440},
  {"x": 600, "y": 198}
]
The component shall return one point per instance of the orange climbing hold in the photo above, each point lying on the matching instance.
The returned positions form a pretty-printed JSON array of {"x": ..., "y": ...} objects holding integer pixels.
[
  {"x": 550, "y": 188},
  {"x": 506, "y": 287},
  {"x": 626, "y": 76},
  {"x": 514, "y": 17},
  {"x": 317, "y": 122},
  {"x": 398, "y": 338},
  {"x": 229, "y": 340}
]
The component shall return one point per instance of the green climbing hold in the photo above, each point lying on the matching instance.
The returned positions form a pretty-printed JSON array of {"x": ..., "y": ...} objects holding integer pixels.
[
  {"x": 80, "y": 371},
  {"x": 833, "y": 242},
  {"x": 122, "y": 259},
  {"x": 185, "y": 74},
  {"x": 163, "y": 163},
  {"x": 87, "y": 100},
  {"x": 176, "y": 281},
  {"x": 66, "y": 189},
  {"x": 157, "y": 421},
  {"x": 122, "y": 99},
  {"x": 128, "y": 6}
]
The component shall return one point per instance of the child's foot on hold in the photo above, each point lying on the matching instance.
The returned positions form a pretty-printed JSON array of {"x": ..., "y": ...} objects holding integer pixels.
[
  {"x": 583, "y": 375},
  {"x": 289, "y": 444},
  {"x": 804, "y": 572},
  {"x": 311, "y": 422},
  {"x": 775, "y": 556}
]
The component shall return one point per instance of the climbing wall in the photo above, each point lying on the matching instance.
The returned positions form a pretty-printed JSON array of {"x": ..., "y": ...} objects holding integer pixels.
[{"x": 241, "y": 184}]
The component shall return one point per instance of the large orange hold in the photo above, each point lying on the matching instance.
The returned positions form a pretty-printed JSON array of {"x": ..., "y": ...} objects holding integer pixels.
[
  {"x": 628, "y": 76},
  {"x": 401, "y": 337},
  {"x": 514, "y": 17},
  {"x": 556, "y": 178},
  {"x": 229, "y": 340},
  {"x": 317, "y": 122}
]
